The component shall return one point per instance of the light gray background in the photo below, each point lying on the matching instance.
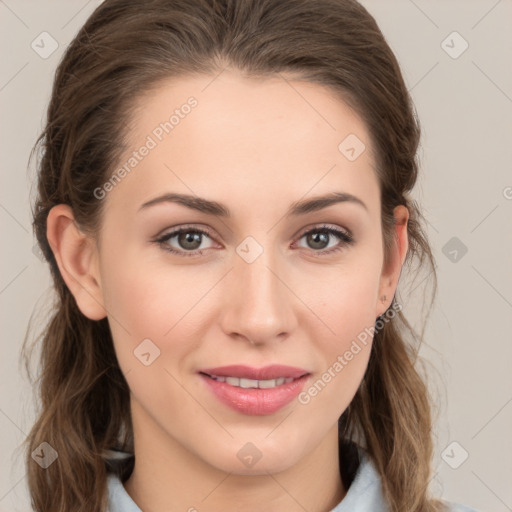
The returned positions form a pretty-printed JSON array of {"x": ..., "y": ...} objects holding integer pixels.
[{"x": 465, "y": 107}]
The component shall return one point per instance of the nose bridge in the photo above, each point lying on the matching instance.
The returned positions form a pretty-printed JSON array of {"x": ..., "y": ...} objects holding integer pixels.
[{"x": 258, "y": 301}]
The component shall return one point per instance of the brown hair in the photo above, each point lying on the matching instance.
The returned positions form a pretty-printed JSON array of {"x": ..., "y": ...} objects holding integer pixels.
[{"x": 127, "y": 47}]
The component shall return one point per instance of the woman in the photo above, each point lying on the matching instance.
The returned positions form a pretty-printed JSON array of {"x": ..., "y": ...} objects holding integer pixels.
[{"x": 224, "y": 203}]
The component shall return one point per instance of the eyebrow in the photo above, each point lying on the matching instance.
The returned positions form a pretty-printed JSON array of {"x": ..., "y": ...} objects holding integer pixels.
[{"x": 219, "y": 210}]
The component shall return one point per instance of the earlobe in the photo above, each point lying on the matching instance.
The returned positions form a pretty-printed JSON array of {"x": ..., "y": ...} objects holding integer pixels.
[
  {"x": 76, "y": 256},
  {"x": 391, "y": 274}
]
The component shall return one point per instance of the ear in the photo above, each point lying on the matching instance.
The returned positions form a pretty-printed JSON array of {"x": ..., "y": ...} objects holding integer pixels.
[
  {"x": 391, "y": 272},
  {"x": 77, "y": 258}
]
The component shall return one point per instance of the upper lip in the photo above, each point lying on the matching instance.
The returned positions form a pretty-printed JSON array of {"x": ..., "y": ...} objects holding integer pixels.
[{"x": 273, "y": 371}]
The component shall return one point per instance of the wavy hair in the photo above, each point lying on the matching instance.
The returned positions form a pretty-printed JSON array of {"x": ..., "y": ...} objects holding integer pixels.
[{"x": 126, "y": 48}]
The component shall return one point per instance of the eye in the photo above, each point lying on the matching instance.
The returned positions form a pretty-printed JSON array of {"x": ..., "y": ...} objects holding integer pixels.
[
  {"x": 319, "y": 238},
  {"x": 188, "y": 240}
]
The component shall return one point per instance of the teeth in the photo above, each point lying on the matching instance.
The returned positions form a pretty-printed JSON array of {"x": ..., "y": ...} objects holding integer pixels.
[
  {"x": 233, "y": 381},
  {"x": 248, "y": 383},
  {"x": 264, "y": 384},
  {"x": 253, "y": 383}
]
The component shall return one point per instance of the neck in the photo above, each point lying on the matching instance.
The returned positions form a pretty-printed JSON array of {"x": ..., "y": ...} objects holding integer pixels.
[{"x": 167, "y": 475}]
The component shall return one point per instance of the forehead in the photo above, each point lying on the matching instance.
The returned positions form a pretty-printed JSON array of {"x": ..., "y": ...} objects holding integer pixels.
[{"x": 256, "y": 137}]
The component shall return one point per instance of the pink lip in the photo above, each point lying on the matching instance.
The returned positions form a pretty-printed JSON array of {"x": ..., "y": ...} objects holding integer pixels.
[{"x": 255, "y": 401}]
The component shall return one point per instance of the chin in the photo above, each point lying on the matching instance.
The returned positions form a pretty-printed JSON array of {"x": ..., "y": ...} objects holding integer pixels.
[{"x": 258, "y": 458}]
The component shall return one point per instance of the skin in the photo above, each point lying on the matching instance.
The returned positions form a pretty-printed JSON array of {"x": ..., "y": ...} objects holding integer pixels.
[{"x": 256, "y": 146}]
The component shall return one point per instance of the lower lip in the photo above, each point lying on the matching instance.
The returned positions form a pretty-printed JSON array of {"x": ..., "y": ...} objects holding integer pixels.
[{"x": 255, "y": 401}]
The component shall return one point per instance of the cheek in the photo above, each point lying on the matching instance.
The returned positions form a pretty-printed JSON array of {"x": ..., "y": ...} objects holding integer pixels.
[
  {"x": 352, "y": 308},
  {"x": 345, "y": 353},
  {"x": 346, "y": 296},
  {"x": 152, "y": 338},
  {"x": 346, "y": 305},
  {"x": 149, "y": 301}
]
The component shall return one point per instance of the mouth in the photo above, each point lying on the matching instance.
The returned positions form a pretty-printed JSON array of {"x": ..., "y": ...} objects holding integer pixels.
[{"x": 255, "y": 391}]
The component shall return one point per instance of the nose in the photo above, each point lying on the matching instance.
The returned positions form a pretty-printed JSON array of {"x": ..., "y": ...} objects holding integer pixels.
[{"x": 258, "y": 305}]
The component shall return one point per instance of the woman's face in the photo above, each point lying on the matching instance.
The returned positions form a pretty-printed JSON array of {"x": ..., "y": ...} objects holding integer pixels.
[{"x": 244, "y": 285}]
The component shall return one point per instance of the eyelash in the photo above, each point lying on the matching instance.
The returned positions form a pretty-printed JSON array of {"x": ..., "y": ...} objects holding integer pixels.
[{"x": 345, "y": 238}]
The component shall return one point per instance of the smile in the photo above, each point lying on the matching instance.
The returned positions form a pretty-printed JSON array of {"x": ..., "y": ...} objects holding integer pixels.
[{"x": 255, "y": 391}]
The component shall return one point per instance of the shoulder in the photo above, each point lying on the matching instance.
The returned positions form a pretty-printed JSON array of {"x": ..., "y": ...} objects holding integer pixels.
[
  {"x": 119, "y": 465},
  {"x": 118, "y": 499},
  {"x": 365, "y": 493}
]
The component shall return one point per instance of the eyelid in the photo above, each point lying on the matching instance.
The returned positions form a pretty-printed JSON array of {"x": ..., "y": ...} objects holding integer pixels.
[
  {"x": 169, "y": 232},
  {"x": 324, "y": 226}
]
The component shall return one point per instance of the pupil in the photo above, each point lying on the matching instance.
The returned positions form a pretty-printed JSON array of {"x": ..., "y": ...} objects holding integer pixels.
[
  {"x": 322, "y": 238},
  {"x": 188, "y": 239}
]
